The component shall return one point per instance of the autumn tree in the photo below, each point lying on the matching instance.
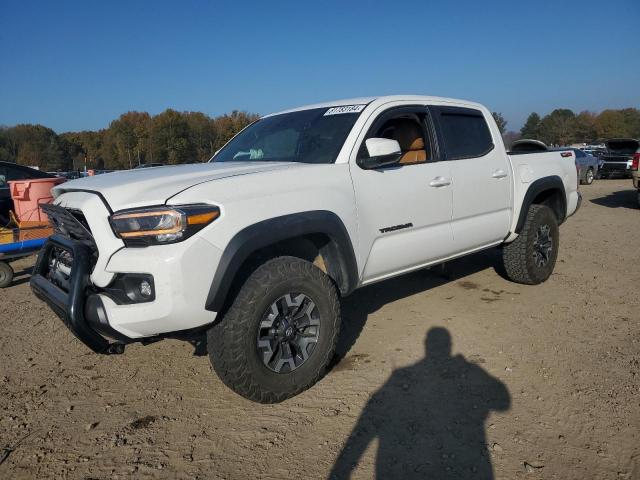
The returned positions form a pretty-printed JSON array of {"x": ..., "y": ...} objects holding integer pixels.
[
  {"x": 184, "y": 137},
  {"x": 610, "y": 124},
  {"x": 584, "y": 127}
]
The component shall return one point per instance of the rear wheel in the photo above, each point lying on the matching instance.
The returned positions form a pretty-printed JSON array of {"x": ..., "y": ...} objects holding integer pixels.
[
  {"x": 6, "y": 274},
  {"x": 278, "y": 336},
  {"x": 531, "y": 257}
]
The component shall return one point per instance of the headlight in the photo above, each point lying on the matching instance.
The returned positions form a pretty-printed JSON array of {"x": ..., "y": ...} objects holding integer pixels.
[{"x": 161, "y": 225}]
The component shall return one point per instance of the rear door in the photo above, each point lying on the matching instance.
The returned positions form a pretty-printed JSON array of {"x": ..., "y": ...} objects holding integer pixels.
[{"x": 481, "y": 177}]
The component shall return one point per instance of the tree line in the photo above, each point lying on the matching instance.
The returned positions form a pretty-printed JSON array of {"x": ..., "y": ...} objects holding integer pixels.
[
  {"x": 564, "y": 127},
  {"x": 173, "y": 137},
  {"x": 135, "y": 138}
]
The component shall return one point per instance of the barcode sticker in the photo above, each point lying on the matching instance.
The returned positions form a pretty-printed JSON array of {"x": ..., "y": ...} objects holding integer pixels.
[{"x": 344, "y": 109}]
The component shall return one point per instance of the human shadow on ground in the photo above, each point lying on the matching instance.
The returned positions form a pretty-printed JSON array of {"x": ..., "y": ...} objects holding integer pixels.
[
  {"x": 619, "y": 199},
  {"x": 429, "y": 419}
]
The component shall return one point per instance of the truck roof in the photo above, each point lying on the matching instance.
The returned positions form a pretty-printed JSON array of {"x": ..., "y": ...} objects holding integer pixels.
[{"x": 381, "y": 100}]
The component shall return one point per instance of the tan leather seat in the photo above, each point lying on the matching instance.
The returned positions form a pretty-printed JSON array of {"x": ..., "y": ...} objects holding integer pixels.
[{"x": 409, "y": 135}]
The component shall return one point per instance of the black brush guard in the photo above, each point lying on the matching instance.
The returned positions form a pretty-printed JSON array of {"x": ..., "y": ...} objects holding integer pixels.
[{"x": 69, "y": 306}]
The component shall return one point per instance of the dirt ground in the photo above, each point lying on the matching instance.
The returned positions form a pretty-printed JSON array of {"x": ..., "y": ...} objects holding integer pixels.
[{"x": 540, "y": 382}]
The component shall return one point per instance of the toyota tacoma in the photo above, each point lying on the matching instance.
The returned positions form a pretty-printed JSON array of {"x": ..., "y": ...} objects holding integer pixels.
[{"x": 299, "y": 209}]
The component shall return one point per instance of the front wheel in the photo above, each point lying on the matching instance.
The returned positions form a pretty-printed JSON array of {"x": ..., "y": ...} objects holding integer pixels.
[
  {"x": 589, "y": 176},
  {"x": 279, "y": 335},
  {"x": 531, "y": 257}
]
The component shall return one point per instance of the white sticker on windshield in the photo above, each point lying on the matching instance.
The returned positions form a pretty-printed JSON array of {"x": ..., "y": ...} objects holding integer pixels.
[{"x": 344, "y": 109}]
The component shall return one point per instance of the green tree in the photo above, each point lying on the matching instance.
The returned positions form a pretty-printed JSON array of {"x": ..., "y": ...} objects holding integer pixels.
[
  {"x": 500, "y": 121},
  {"x": 632, "y": 121},
  {"x": 531, "y": 128},
  {"x": 6, "y": 153},
  {"x": 36, "y": 146},
  {"x": 129, "y": 135},
  {"x": 85, "y": 148},
  {"x": 556, "y": 128},
  {"x": 170, "y": 139},
  {"x": 584, "y": 127}
]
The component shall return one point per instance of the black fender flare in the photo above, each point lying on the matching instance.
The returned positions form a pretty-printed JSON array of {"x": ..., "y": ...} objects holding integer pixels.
[
  {"x": 539, "y": 186},
  {"x": 338, "y": 253}
]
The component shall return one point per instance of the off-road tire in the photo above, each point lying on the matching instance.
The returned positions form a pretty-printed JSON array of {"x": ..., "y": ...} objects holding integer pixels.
[
  {"x": 231, "y": 342},
  {"x": 6, "y": 274},
  {"x": 518, "y": 257}
]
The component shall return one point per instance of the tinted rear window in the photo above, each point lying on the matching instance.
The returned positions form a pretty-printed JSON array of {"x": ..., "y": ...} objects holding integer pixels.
[{"x": 465, "y": 133}]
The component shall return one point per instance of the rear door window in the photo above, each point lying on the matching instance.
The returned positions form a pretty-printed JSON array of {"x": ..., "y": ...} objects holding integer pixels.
[{"x": 464, "y": 132}]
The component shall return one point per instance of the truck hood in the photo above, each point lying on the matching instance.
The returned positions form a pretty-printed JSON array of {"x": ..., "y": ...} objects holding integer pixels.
[{"x": 153, "y": 186}]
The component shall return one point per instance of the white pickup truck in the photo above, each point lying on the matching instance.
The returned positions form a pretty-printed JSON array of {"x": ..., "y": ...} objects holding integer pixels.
[{"x": 302, "y": 207}]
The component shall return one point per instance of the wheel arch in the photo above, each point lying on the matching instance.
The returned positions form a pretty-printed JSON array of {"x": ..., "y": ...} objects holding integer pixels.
[
  {"x": 547, "y": 191},
  {"x": 299, "y": 234}
]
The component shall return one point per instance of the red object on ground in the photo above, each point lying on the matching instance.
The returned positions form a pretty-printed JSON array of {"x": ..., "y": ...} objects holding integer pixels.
[{"x": 28, "y": 195}]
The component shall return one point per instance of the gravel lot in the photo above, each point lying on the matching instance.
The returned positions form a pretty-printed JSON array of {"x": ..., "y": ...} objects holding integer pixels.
[{"x": 540, "y": 382}]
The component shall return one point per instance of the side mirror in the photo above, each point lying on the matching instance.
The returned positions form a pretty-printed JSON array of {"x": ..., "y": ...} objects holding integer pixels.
[{"x": 383, "y": 152}]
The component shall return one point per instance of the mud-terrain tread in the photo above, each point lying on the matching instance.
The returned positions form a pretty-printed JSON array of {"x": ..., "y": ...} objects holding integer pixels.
[
  {"x": 515, "y": 255},
  {"x": 225, "y": 338}
]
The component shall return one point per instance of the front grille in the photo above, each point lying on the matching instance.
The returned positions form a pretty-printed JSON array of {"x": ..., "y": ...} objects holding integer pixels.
[
  {"x": 79, "y": 216},
  {"x": 69, "y": 223}
]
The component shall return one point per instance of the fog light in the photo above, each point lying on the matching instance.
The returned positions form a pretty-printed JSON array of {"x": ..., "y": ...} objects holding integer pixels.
[
  {"x": 128, "y": 288},
  {"x": 145, "y": 289}
]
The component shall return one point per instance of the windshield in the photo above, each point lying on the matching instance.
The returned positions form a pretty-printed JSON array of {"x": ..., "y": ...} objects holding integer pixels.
[{"x": 307, "y": 136}]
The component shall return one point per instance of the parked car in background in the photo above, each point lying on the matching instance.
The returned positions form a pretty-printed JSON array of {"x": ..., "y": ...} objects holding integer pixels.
[
  {"x": 619, "y": 156},
  {"x": 596, "y": 152},
  {"x": 588, "y": 166},
  {"x": 11, "y": 171}
]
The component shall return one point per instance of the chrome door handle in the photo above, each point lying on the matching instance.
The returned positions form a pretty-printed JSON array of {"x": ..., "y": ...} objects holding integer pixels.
[
  {"x": 499, "y": 174},
  {"x": 440, "y": 182}
]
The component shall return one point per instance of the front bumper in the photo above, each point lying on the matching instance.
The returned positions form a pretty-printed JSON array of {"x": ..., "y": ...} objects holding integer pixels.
[
  {"x": 70, "y": 305},
  {"x": 182, "y": 275}
]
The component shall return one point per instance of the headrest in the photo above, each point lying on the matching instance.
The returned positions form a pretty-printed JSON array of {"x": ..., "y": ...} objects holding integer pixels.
[{"x": 408, "y": 134}]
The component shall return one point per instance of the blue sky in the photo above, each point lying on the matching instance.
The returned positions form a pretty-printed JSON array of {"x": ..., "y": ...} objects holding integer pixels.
[{"x": 74, "y": 65}]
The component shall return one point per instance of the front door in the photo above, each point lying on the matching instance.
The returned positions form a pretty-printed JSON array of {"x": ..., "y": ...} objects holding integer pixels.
[{"x": 404, "y": 211}]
